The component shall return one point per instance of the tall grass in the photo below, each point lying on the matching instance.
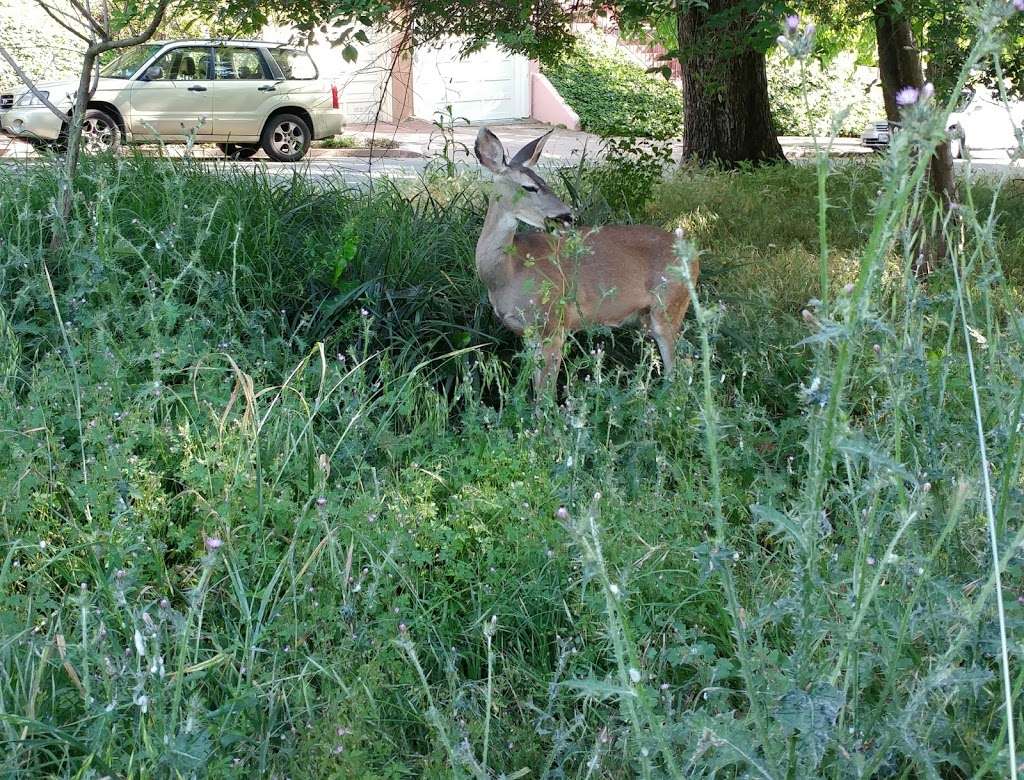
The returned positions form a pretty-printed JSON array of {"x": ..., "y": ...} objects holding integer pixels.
[{"x": 275, "y": 499}]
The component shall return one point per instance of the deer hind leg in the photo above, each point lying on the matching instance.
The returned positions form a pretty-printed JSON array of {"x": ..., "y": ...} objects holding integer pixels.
[
  {"x": 665, "y": 321},
  {"x": 666, "y": 341},
  {"x": 549, "y": 348}
]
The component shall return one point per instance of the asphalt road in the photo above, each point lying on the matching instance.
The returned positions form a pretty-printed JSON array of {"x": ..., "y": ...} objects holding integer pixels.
[
  {"x": 360, "y": 170},
  {"x": 356, "y": 170}
]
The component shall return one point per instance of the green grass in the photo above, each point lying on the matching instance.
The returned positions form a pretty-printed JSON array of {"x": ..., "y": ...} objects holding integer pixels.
[
  {"x": 353, "y": 142},
  {"x": 313, "y": 376}
]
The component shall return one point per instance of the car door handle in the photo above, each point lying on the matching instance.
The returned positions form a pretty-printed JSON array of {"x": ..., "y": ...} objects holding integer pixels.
[
  {"x": 197, "y": 88},
  {"x": 267, "y": 88}
]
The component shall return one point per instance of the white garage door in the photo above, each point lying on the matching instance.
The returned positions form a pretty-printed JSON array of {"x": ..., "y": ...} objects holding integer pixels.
[{"x": 490, "y": 84}]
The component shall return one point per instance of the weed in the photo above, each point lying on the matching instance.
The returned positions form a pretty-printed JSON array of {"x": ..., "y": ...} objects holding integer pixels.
[{"x": 275, "y": 498}]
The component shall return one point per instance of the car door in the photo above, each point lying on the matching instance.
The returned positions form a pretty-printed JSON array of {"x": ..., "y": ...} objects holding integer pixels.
[
  {"x": 244, "y": 92},
  {"x": 173, "y": 99}
]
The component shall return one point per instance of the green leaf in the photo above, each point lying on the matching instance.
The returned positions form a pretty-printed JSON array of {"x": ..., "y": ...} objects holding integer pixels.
[
  {"x": 600, "y": 690},
  {"x": 783, "y": 524},
  {"x": 813, "y": 715}
]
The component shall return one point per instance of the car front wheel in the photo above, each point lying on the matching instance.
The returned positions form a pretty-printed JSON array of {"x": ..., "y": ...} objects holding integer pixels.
[
  {"x": 286, "y": 138},
  {"x": 100, "y": 132},
  {"x": 238, "y": 151}
]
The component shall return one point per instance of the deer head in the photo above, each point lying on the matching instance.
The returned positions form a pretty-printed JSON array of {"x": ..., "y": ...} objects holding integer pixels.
[{"x": 518, "y": 190}]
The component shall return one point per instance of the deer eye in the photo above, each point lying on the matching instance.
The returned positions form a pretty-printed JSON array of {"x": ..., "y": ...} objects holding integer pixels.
[{"x": 529, "y": 188}]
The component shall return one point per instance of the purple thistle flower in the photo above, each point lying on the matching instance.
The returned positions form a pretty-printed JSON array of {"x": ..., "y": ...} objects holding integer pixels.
[
  {"x": 792, "y": 23},
  {"x": 907, "y": 96},
  {"x": 1018, "y": 4},
  {"x": 213, "y": 543}
]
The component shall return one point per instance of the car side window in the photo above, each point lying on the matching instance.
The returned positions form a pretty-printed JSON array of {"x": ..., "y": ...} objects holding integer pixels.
[
  {"x": 184, "y": 64},
  {"x": 240, "y": 64}
]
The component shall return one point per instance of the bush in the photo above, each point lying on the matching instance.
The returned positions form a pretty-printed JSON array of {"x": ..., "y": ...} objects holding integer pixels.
[
  {"x": 837, "y": 92},
  {"x": 615, "y": 97}
]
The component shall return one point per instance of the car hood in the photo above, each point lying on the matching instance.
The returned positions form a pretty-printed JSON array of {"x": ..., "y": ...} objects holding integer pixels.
[
  {"x": 58, "y": 88},
  {"x": 63, "y": 91}
]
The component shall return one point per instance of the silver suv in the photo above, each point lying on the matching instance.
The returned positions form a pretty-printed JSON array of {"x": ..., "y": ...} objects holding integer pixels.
[{"x": 241, "y": 95}]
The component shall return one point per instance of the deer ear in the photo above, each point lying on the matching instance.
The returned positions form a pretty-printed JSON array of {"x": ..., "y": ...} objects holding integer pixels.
[
  {"x": 489, "y": 151},
  {"x": 530, "y": 153}
]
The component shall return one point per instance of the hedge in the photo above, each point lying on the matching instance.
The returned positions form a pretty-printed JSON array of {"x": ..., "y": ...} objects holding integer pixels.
[{"x": 615, "y": 97}]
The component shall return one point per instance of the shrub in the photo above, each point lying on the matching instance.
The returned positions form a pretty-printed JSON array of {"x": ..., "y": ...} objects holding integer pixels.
[
  {"x": 615, "y": 97},
  {"x": 836, "y": 92}
]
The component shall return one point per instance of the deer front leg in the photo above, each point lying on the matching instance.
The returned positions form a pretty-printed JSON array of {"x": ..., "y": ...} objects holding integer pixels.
[{"x": 550, "y": 352}]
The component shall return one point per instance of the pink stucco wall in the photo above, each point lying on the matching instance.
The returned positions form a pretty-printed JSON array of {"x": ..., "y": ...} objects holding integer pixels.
[{"x": 546, "y": 104}]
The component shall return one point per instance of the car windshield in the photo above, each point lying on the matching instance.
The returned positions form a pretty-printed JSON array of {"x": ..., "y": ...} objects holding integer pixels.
[{"x": 127, "y": 64}]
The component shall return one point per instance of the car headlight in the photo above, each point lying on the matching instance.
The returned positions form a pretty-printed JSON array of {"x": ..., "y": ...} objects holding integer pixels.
[{"x": 29, "y": 99}]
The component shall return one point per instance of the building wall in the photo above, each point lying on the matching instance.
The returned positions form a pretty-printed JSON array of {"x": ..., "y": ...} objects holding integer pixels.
[{"x": 385, "y": 84}]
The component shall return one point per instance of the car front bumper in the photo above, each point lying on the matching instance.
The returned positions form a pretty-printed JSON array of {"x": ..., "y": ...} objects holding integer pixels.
[
  {"x": 31, "y": 123},
  {"x": 878, "y": 135}
]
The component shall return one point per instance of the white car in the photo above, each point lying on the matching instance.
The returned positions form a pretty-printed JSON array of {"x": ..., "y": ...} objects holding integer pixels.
[
  {"x": 241, "y": 95},
  {"x": 980, "y": 122}
]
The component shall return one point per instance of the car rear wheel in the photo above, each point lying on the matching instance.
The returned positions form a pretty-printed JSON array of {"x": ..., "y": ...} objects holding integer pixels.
[
  {"x": 238, "y": 151},
  {"x": 100, "y": 132},
  {"x": 286, "y": 138}
]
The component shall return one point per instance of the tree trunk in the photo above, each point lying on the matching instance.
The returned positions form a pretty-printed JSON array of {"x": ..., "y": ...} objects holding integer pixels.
[
  {"x": 73, "y": 149},
  {"x": 726, "y": 114},
  {"x": 899, "y": 65}
]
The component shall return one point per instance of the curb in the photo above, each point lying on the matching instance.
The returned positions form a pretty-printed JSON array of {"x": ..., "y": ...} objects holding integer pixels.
[
  {"x": 377, "y": 153},
  {"x": 24, "y": 151}
]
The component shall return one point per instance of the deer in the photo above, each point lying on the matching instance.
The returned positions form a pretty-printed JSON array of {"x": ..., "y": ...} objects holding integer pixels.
[{"x": 548, "y": 285}]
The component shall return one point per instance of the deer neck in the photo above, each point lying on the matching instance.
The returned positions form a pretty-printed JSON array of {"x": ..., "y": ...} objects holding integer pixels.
[{"x": 493, "y": 259}]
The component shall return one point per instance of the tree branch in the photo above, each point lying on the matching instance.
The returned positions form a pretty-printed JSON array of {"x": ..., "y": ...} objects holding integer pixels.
[
  {"x": 85, "y": 14},
  {"x": 142, "y": 37},
  {"x": 106, "y": 18},
  {"x": 62, "y": 22},
  {"x": 27, "y": 81}
]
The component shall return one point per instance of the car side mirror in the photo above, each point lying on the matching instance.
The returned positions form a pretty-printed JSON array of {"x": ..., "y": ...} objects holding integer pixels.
[{"x": 154, "y": 73}]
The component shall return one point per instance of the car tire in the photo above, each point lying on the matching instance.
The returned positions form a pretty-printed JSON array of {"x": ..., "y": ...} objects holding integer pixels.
[
  {"x": 957, "y": 142},
  {"x": 238, "y": 151},
  {"x": 286, "y": 138},
  {"x": 101, "y": 134}
]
